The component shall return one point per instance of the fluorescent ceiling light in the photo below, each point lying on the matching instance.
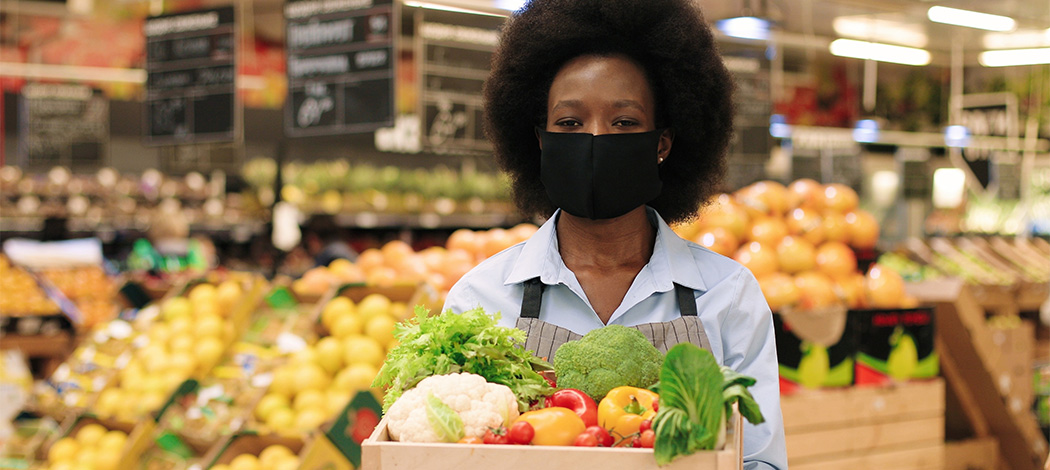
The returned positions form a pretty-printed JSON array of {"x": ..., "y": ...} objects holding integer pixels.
[
  {"x": 1009, "y": 57},
  {"x": 957, "y": 136},
  {"x": 868, "y": 28},
  {"x": 866, "y": 131},
  {"x": 970, "y": 19},
  {"x": 435, "y": 6},
  {"x": 1018, "y": 39},
  {"x": 512, "y": 5},
  {"x": 879, "y": 52},
  {"x": 746, "y": 27},
  {"x": 949, "y": 187}
]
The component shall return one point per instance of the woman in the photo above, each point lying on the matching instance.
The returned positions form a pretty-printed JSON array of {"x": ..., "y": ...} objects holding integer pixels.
[{"x": 612, "y": 118}]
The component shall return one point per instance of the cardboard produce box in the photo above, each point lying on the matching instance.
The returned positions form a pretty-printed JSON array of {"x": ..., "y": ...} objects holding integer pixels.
[
  {"x": 895, "y": 345},
  {"x": 814, "y": 359},
  {"x": 380, "y": 453}
]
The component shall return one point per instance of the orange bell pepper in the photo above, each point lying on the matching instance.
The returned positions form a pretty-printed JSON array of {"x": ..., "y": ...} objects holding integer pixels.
[
  {"x": 554, "y": 426},
  {"x": 623, "y": 409}
]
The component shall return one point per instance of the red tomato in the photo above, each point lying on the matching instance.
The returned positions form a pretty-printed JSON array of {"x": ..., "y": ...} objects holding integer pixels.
[
  {"x": 647, "y": 438},
  {"x": 656, "y": 405},
  {"x": 585, "y": 439},
  {"x": 521, "y": 432},
  {"x": 496, "y": 436},
  {"x": 636, "y": 442},
  {"x": 646, "y": 425},
  {"x": 604, "y": 438}
]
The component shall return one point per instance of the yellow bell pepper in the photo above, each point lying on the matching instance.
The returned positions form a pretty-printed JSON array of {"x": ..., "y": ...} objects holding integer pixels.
[
  {"x": 554, "y": 426},
  {"x": 623, "y": 409}
]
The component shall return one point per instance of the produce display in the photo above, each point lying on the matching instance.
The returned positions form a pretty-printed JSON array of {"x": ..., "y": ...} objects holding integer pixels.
[
  {"x": 19, "y": 293},
  {"x": 799, "y": 241},
  {"x": 91, "y": 446},
  {"x": 89, "y": 287},
  {"x": 274, "y": 457},
  {"x": 993, "y": 261}
]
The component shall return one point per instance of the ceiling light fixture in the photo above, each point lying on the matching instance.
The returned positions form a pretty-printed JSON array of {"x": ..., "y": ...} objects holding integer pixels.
[
  {"x": 1013, "y": 57},
  {"x": 970, "y": 19},
  {"x": 1019, "y": 39},
  {"x": 435, "y": 6},
  {"x": 745, "y": 27},
  {"x": 868, "y": 28},
  {"x": 880, "y": 52}
]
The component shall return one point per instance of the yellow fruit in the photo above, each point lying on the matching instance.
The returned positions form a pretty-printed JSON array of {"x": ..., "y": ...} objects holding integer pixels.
[
  {"x": 400, "y": 311},
  {"x": 363, "y": 350},
  {"x": 373, "y": 305},
  {"x": 86, "y": 458},
  {"x": 108, "y": 402},
  {"x": 303, "y": 356},
  {"x": 329, "y": 352},
  {"x": 182, "y": 363},
  {"x": 335, "y": 401},
  {"x": 310, "y": 377},
  {"x": 181, "y": 342},
  {"x": 337, "y": 307},
  {"x": 176, "y": 307},
  {"x": 244, "y": 462},
  {"x": 89, "y": 434},
  {"x": 381, "y": 329},
  {"x": 272, "y": 455},
  {"x": 346, "y": 326},
  {"x": 209, "y": 350},
  {"x": 281, "y": 418},
  {"x": 63, "y": 450},
  {"x": 283, "y": 382},
  {"x": 308, "y": 399},
  {"x": 355, "y": 377},
  {"x": 210, "y": 325},
  {"x": 310, "y": 419},
  {"x": 220, "y": 466},
  {"x": 159, "y": 333},
  {"x": 63, "y": 466},
  {"x": 202, "y": 293},
  {"x": 269, "y": 403},
  {"x": 112, "y": 441},
  {"x": 287, "y": 463},
  {"x": 181, "y": 325},
  {"x": 107, "y": 460},
  {"x": 153, "y": 401},
  {"x": 227, "y": 296}
]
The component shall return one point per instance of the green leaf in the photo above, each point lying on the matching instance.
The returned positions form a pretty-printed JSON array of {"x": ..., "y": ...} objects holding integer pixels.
[
  {"x": 691, "y": 403},
  {"x": 443, "y": 419},
  {"x": 748, "y": 406}
]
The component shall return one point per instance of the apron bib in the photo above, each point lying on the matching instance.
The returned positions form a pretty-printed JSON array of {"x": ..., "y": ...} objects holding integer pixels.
[{"x": 544, "y": 338}]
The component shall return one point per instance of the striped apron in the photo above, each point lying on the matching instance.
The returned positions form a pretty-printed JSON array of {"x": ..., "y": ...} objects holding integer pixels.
[{"x": 545, "y": 338}]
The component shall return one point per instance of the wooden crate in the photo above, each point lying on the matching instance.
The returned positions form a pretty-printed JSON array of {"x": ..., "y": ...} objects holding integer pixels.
[
  {"x": 972, "y": 454},
  {"x": 899, "y": 427},
  {"x": 379, "y": 453}
]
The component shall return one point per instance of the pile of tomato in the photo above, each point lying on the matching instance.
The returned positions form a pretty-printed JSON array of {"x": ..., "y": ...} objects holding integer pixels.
[{"x": 570, "y": 417}]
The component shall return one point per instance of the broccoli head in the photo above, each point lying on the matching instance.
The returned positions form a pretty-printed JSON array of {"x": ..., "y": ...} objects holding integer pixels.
[{"x": 607, "y": 358}]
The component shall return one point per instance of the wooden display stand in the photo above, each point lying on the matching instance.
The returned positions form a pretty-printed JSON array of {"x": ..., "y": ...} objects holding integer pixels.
[
  {"x": 899, "y": 427},
  {"x": 51, "y": 350},
  {"x": 968, "y": 362}
]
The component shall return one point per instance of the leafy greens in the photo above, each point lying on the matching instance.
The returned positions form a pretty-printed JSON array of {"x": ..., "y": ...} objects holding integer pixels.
[
  {"x": 696, "y": 397},
  {"x": 469, "y": 342},
  {"x": 447, "y": 424}
]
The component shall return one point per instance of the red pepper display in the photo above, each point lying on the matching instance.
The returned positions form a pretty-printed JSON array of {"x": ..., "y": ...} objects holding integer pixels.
[{"x": 580, "y": 403}]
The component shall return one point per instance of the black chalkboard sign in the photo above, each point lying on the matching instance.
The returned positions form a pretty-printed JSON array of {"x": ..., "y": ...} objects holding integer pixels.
[
  {"x": 64, "y": 125},
  {"x": 456, "y": 50},
  {"x": 340, "y": 66},
  {"x": 191, "y": 75}
]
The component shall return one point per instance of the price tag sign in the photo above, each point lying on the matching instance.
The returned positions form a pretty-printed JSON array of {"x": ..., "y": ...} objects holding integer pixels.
[
  {"x": 63, "y": 125},
  {"x": 190, "y": 85},
  {"x": 340, "y": 66}
]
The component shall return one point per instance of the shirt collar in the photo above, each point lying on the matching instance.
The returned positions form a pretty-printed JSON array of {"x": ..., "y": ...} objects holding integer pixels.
[{"x": 672, "y": 260}]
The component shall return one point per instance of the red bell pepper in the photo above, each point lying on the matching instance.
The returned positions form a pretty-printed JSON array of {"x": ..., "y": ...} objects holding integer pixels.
[{"x": 580, "y": 403}]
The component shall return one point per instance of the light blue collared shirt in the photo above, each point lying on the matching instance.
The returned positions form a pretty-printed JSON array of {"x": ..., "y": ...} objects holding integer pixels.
[{"x": 729, "y": 302}]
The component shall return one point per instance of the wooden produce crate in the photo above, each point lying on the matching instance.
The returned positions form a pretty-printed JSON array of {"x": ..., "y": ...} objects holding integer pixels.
[
  {"x": 972, "y": 454},
  {"x": 248, "y": 443},
  {"x": 380, "y": 453},
  {"x": 899, "y": 427},
  {"x": 139, "y": 437}
]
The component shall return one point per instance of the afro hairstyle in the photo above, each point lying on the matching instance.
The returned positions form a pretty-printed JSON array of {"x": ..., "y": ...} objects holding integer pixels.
[{"x": 667, "y": 38}]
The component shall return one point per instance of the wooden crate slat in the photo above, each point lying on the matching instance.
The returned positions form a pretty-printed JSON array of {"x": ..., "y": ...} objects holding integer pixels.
[
  {"x": 844, "y": 443},
  {"x": 824, "y": 409},
  {"x": 923, "y": 457}
]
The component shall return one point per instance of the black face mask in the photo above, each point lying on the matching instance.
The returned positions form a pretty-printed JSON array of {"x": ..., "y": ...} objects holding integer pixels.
[{"x": 600, "y": 176}]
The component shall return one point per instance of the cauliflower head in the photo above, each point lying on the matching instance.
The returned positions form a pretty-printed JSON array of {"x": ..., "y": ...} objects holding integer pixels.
[
  {"x": 606, "y": 358},
  {"x": 478, "y": 403}
]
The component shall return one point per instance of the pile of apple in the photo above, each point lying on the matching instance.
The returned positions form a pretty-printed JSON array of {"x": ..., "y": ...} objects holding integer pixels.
[
  {"x": 397, "y": 263},
  {"x": 90, "y": 447},
  {"x": 799, "y": 242},
  {"x": 318, "y": 381},
  {"x": 187, "y": 339}
]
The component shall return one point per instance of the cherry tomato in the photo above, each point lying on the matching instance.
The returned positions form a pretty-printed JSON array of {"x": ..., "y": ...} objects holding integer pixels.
[
  {"x": 636, "y": 442},
  {"x": 521, "y": 432},
  {"x": 496, "y": 436},
  {"x": 646, "y": 425},
  {"x": 604, "y": 438},
  {"x": 656, "y": 405},
  {"x": 471, "y": 440},
  {"x": 647, "y": 438},
  {"x": 585, "y": 439}
]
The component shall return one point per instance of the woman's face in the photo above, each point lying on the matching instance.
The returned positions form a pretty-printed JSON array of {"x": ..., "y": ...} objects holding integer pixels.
[{"x": 603, "y": 95}]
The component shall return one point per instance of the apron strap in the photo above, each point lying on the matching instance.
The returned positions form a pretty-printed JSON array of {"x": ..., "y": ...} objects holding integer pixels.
[
  {"x": 533, "y": 297},
  {"x": 686, "y": 301}
]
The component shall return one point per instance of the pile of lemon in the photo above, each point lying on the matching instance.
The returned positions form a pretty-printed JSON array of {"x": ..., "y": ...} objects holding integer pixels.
[
  {"x": 187, "y": 339},
  {"x": 274, "y": 457},
  {"x": 92, "y": 447},
  {"x": 317, "y": 382}
]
